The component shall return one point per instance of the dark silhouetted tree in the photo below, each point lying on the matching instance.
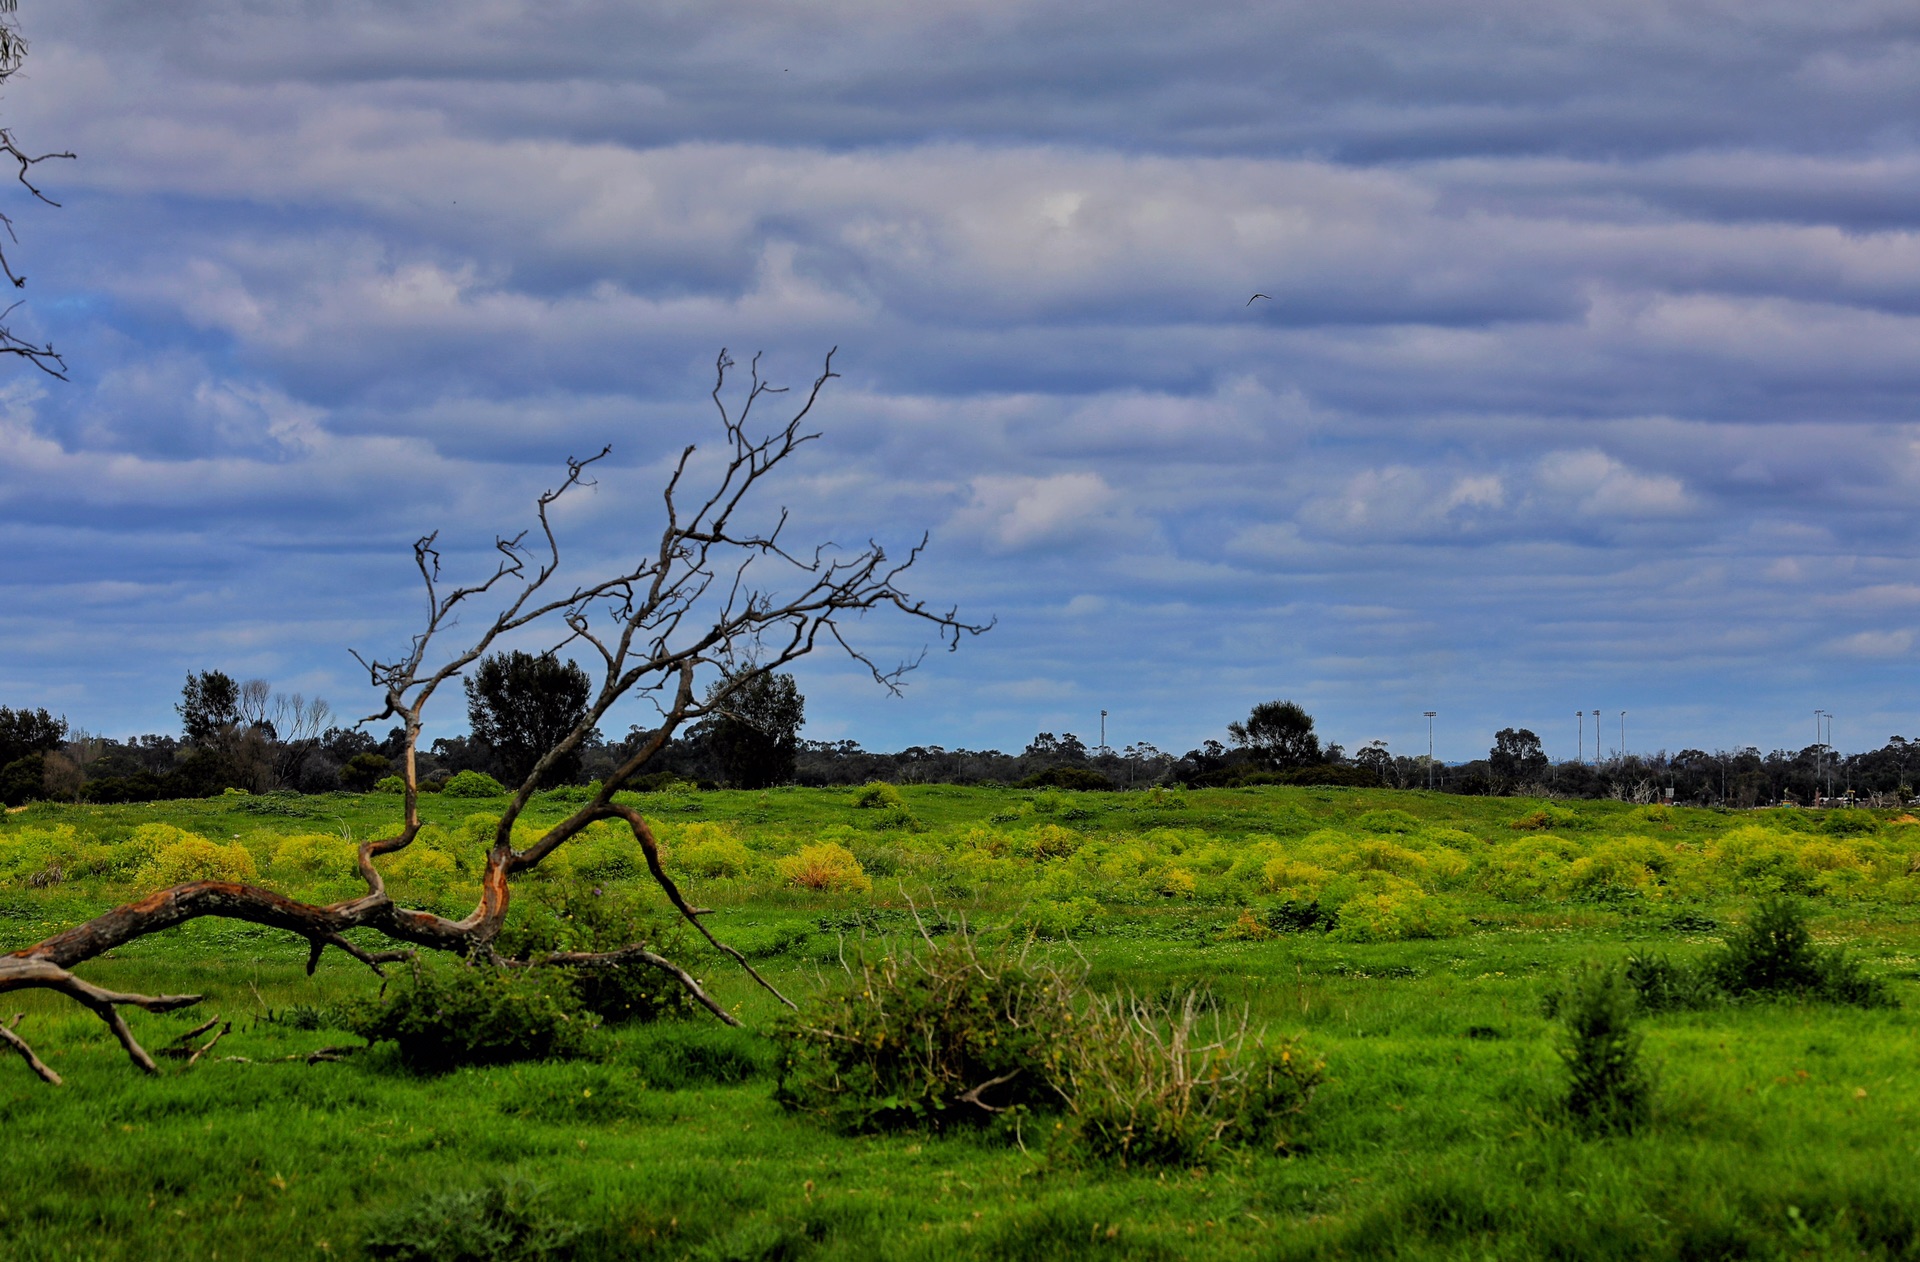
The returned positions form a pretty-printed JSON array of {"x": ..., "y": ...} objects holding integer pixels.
[
  {"x": 209, "y": 704},
  {"x": 1516, "y": 758},
  {"x": 524, "y": 704},
  {"x": 1277, "y": 734},
  {"x": 756, "y": 732}
]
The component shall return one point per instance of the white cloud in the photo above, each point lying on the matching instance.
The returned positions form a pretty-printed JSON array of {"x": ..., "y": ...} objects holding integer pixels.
[
  {"x": 1874, "y": 644},
  {"x": 1024, "y": 512}
]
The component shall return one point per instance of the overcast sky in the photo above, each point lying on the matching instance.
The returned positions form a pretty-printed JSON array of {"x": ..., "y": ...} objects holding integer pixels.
[{"x": 1588, "y": 377}]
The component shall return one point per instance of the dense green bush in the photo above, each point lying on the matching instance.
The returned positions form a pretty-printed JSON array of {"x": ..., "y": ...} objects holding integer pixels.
[
  {"x": 474, "y": 784},
  {"x": 582, "y": 916},
  {"x": 948, "y": 1033},
  {"x": 452, "y": 1013},
  {"x": 1771, "y": 956},
  {"x": 1607, "y": 1089},
  {"x": 878, "y": 795},
  {"x": 943, "y": 1035}
]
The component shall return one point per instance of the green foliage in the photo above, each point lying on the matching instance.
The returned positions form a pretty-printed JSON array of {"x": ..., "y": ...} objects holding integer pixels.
[
  {"x": 394, "y": 784},
  {"x": 946, "y": 1034},
  {"x": 1171, "y": 1083},
  {"x": 1608, "y": 1089},
  {"x": 474, "y": 784},
  {"x": 1297, "y": 916},
  {"x": 1080, "y": 779},
  {"x": 827, "y": 867},
  {"x": 448, "y": 1014},
  {"x": 878, "y": 795},
  {"x": 579, "y": 915},
  {"x": 1773, "y": 954},
  {"x": 505, "y": 1221},
  {"x": 521, "y": 705}
]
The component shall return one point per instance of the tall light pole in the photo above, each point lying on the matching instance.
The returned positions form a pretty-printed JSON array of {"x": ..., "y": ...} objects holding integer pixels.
[
  {"x": 1430, "y": 714},
  {"x": 1103, "y": 731},
  {"x": 1580, "y": 745},
  {"x": 1623, "y": 736},
  {"x": 1817, "y": 752},
  {"x": 1596, "y": 736}
]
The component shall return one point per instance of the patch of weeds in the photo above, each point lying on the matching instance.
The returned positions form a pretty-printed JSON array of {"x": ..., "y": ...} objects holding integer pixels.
[
  {"x": 1772, "y": 956},
  {"x": 1485, "y": 1033},
  {"x": 949, "y": 1033},
  {"x": 1692, "y": 922},
  {"x": 449, "y": 1014},
  {"x": 504, "y": 1222}
]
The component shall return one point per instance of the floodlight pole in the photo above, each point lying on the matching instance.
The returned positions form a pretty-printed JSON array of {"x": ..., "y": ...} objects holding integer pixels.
[
  {"x": 1430, "y": 714},
  {"x": 1817, "y": 752},
  {"x": 1103, "y": 731},
  {"x": 1580, "y": 745},
  {"x": 1623, "y": 736}
]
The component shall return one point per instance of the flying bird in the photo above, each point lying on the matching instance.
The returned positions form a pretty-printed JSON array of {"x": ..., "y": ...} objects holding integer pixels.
[{"x": 1268, "y": 297}]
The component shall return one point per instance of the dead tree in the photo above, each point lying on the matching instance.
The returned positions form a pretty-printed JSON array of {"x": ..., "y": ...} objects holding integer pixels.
[
  {"x": 715, "y": 597},
  {"x": 13, "y": 52}
]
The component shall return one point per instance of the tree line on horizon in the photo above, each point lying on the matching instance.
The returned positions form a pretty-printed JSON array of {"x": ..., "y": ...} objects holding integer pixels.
[{"x": 245, "y": 736}]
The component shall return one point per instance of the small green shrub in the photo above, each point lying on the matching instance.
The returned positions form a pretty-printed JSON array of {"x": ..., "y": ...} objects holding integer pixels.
[
  {"x": 474, "y": 784},
  {"x": 459, "y": 1013},
  {"x": 1608, "y": 1089},
  {"x": 1168, "y": 1083},
  {"x": 582, "y": 916},
  {"x": 505, "y": 1222},
  {"x": 1773, "y": 954},
  {"x": 946, "y": 1034},
  {"x": 943, "y": 1035},
  {"x": 878, "y": 795},
  {"x": 1299, "y": 916},
  {"x": 1660, "y": 985},
  {"x": 390, "y": 784}
]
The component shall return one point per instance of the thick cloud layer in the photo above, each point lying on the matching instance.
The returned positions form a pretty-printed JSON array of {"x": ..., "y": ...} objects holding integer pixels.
[{"x": 1586, "y": 376}]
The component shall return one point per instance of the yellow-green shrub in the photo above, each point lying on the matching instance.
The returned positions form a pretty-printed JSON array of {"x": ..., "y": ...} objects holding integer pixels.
[
  {"x": 1295, "y": 879},
  {"x": 710, "y": 850},
  {"x": 308, "y": 855},
  {"x": 193, "y": 858},
  {"x": 1388, "y": 908},
  {"x": 825, "y": 867},
  {"x": 1051, "y": 841}
]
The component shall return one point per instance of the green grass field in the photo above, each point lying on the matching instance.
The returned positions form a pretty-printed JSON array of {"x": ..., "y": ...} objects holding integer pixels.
[{"x": 1781, "y": 1129}]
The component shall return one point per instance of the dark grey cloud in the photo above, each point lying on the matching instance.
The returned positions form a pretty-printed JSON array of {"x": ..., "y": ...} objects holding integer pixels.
[{"x": 1589, "y": 369}]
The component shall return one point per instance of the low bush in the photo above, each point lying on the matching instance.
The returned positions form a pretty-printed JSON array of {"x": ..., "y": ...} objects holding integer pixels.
[
  {"x": 1607, "y": 1089},
  {"x": 390, "y": 784},
  {"x": 949, "y": 1034},
  {"x": 827, "y": 867},
  {"x": 453, "y": 1013},
  {"x": 581, "y": 916},
  {"x": 1771, "y": 956},
  {"x": 473, "y": 784},
  {"x": 193, "y": 858},
  {"x": 878, "y": 795},
  {"x": 943, "y": 1035},
  {"x": 1169, "y": 1083}
]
